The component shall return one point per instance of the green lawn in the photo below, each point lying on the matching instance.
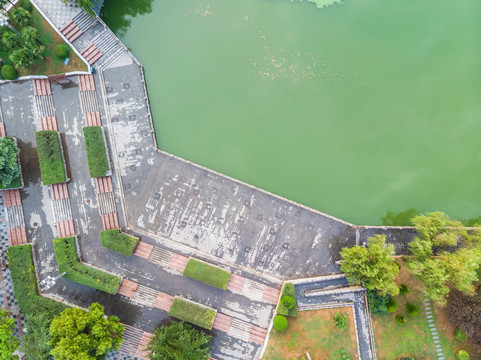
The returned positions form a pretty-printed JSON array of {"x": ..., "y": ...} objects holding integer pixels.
[
  {"x": 20, "y": 263},
  {"x": 50, "y": 157},
  {"x": 67, "y": 260},
  {"x": 208, "y": 274},
  {"x": 192, "y": 313},
  {"x": 314, "y": 332},
  {"x": 118, "y": 241},
  {"x": 96, "y": 152}
]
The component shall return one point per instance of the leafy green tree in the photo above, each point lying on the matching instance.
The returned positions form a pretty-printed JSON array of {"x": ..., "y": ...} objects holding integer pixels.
[
  {"x": 9, "y": 169},
  {"x": 179, "y": 341},
  {"x": 459, "y": 267},
  {"x": 35, "y": 344},
  {"x": 21, "y": 59},
  {"x": 20, "y": 16},
  {"x": 402, "y": 218},
  {"x": 10, "y": 39},
  {"x": 372, "y": 266},
  {"x": 80, "y": 335},
  {"x": 8, "y": 342},
  {"x": 35, "y": 50},
  {"x": 29, "y": 34},
  {"x": 87, "y": 6}
]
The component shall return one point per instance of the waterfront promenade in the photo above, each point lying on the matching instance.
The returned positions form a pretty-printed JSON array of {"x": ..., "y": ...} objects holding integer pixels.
[{"x": 177, "y": 208}]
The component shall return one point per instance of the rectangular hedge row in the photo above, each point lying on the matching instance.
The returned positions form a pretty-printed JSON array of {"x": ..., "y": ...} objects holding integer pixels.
[
  {"x": 118, "y": 241},
  {"x": 10, "y": 168},
  {"x": 206, "y": 273},
  {"x": 282, "y": 309},
  {"x": 20, "y": 262},
  {"x": 50, "y": 157},
  {"x": 67, "y": 260},
  {"x": 96, "y": 151},
  {"x": 192, "y": 313}
]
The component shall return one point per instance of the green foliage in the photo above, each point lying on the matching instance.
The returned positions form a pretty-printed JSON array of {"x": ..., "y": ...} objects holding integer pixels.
[
  {"x": 372, "y": 266},
  {"x": 21, "y": 59},
  {"x": 26, "y": 4},
  {"x": 207, "y": 274},
  {"x": 61, "y": 51},
  {"x": 456, "y": 267},
  {"x": 282, "y": 309},
  {"x": 192, "y": 313},
  {"x": 460, "y": 335},
  {"x": 9, "y": 169},
  {"x": 288, "y": 301},
  {"x": 340, "y": 320},
  {"x": 20, "y": 261},
  {"x": 402, "y": 218},
  {"x": 77, "y": 334},
  {"x": 118, "y": 241},
  {"x": 377, "y": 303},
  {"x": 67, "y": 260},
  {"x": 412, "y": 310},
  {"x": 35, "y": 344},
  {"x": 322, "y": 3},
  {"x": 86, "y": 5},
  {"x": 9, "y": 72},
  {"x": 280, "y": 323},
  {"x": 8, "y": 342},
  {"x": 462, "y": 355},
  {"x": 96, "y": 152},
  {"x": 179, "y": 341},
  {"x": 344, "y": 354},
  {"x": 400, "y": 319},
  {"x": 391, "y": 306},
  {"x": 20, "y": 16},
  {"x": 403, "y": 289},
  {"x": 11, "y": 39},
  {"x": 50, "y": 157}
]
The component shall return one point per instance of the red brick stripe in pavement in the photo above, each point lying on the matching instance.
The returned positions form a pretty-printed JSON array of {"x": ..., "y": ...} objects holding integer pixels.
[
  {"x": 104, "y": 184},
  {"x": 141, "y": 350},
  {"x": 48, "y": 123},
  {"x": 178, "y": 262},
  {"x": 222, "y": 322},
  {"x": 257, "y": 335},
  {"x": 271, "y": 295},
  {"x": 127, "y": 288},
  {"x": 92, "y": 118},
  {"x": 17, "y": 236},
  {"x": 236, "y": 283},
  {"x": 59, "y": 191},
  {"x": 143, "y": 249},
  {"x": 86, "y": 83},
  {"x": 41, "y": 87},
  {"x": 2, "y": 130},
  {"x": 164, "y": 301},
  {"x": 11, "y": 198},
  {"x": 65, "y": 228},
  {"x": 110, "y": 221}
]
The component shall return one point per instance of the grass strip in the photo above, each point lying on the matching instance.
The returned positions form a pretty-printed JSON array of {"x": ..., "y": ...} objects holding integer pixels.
[
  {"x": 206, "y": 273},
  {"x": 287, "y": 291},
  {"x": 96, "y": 152},
  {"x": 118, "y": 241},
  {"x": 50, "y": 157},
  {"x": 192, "y": 313},
  {"x": 67, "y": 260},
  {"x": 20, "y": 262}
]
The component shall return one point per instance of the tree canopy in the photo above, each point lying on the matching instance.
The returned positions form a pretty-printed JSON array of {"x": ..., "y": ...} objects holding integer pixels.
[
  {"x": 372, "y": 266},
  {"x": 8, "y": 342},
  {"x": 179, "y": 341},
  {"x": 437, "y": 270},
  {"x": 35, "y": 344},
  {"x": 9, "y": 169},
  {"x": 80, "y": 335}
]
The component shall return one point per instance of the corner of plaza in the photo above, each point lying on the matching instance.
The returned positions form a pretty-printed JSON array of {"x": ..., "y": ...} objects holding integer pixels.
[{"x": 178, "y": 210}]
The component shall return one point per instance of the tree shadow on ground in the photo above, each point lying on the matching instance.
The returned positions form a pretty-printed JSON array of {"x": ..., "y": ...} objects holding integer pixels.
[{"x": 118, "y": 14}]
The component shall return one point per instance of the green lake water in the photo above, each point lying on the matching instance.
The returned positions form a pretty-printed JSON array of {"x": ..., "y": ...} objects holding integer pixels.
[{"x": 354, "y": 110}]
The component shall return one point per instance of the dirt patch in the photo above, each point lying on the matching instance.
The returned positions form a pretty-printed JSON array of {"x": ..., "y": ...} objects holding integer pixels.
[{"x": 314, "y": 332}]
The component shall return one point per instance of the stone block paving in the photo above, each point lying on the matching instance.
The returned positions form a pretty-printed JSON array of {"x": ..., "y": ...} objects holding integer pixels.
[
  {"x": 432, "y": 328},
  {"x": 57, "y": 12}
]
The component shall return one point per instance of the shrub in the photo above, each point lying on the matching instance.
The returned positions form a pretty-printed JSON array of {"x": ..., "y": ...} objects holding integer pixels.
[
  {"x": 280, "y": 323},
  {"x": 61, "y": 51},
  {"x": 478, "y": 290},
  {"x": 462, "y": 355},
  {"x": 400, "y": 319},
  {"x": 192, "y": 313},
  {"x": 377, "y": 303},
  {"x": 26, "y": 4},
  {"x": 67, "y": 260},
  {"x": 403, "y": 289},
  {"x": 460, "y": 335},
  {"x": 20, "y": 262},
  {"x": 344, "y": 355},
  {"x": 391, "y": 306},
  {"x": 96, "y": 152},
  {"x": 117, "y": 241},
  {"x": 9, "y": 72},
  {"x": 340, "y": 320},
  {"x": 289, "y": 291},
  {"x": 207, "y": 274},
  {"x": 288, "y": 301},
  {"x": 9, "y": 169},
  {"x": 412, "y": 310},
  {"x": 50, "y": 157}
]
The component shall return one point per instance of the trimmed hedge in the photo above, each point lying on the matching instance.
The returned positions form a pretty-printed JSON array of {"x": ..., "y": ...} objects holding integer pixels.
[
  {"x": 280, "y": 323},
  {"x": 50, "y": 157},
  {"x": 282, "y": 309},
  {"x": 67, "y": 260},
  {"x": 61, "y": 51},
  {"x": 20, "y": 262},
  {"x": 192, "y": 313},
  {"x": 117, "y": 241},
  {"x": 208, "y": 274},
  {"x": 96, "y": 152},
  {"x": 9, "y": 167},
  {"x": 9, "y": 72}
]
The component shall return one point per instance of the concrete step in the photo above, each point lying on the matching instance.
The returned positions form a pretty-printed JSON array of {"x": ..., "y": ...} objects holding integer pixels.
[
  {"x": 106, "y": 203},
  {"x": 44, "y": 106},
  {"x": 88, "y": 101},
  {"x": 83, "y": 20},
  {"x": 15, "y": 218},
  {"x": 132, "y": 337},
  {"x": 145, "y": 296},
  {"x": 239, "y": 329},
  {"x": 160, "y": 257},
  {"x": 62, "y": 210}
]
